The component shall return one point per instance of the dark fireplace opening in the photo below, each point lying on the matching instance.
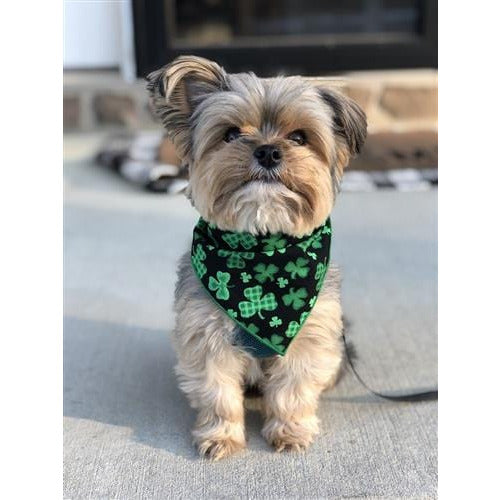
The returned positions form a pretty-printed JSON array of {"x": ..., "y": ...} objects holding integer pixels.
[{"x": 311, "y": 37}]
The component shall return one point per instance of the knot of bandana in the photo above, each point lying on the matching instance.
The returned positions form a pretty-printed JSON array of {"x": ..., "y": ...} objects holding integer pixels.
[{"x": 266, "y": 284}]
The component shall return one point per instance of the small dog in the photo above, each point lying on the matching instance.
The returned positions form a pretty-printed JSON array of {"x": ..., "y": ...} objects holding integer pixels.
[{"x": 265, "y": 156}]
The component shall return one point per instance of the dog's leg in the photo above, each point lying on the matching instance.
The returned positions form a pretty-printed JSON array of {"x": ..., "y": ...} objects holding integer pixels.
[
  {"x": 294, "y": 383},
  {"x": 210, "y": 370},
  {"x": 214, "y": 386}
]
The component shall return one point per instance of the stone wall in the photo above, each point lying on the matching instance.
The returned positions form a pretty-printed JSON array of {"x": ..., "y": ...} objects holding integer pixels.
[{"x": 395, "y": 101}]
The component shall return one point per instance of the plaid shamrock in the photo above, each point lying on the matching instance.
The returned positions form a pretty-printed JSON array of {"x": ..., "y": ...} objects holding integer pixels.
[
  {"x": 246, "y": 240},
  {"x": 197, "y": 259},
  {"x": 293, "y": 329},
  {"x": 257, "y": 302},
  {"x": 220, "y": 285},
  {"x": 320, "y": 274},
  {"x": 235, "y": 259}
]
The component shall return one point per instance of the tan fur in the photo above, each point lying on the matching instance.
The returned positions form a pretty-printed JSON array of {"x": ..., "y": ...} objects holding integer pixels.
[{"x": 198, "y": 102}]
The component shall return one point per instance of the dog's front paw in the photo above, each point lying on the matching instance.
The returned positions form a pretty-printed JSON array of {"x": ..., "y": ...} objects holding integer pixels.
[
  {"x": 218, "y": 438},
  {"x": 217, "y": 449},
  {"x": 292, "y": 435}
]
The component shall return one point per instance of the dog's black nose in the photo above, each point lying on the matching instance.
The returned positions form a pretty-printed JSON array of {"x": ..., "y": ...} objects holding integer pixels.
[{"x": 268, "y": 155}]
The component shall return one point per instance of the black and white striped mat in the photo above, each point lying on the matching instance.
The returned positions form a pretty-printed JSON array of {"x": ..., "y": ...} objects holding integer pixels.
[
  {"x": 135, "y": 157},
  {"x": 407, "y": 179}
]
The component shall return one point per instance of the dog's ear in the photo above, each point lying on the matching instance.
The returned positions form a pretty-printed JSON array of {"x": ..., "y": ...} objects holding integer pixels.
[
  {"x": 178, "y": 88},
  {"x": 349, "y": 123}
]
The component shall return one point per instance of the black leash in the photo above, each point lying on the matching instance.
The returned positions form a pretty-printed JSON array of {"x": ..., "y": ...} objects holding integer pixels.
[{"x": 413, "y": 397}]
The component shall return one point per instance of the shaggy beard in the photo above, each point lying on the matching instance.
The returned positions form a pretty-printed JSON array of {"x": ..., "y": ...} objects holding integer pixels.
[{"x": 293, "y": 199}]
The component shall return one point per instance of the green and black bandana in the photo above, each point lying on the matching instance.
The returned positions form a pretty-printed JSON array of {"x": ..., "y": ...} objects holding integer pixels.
[{"x": 266, "y": 284}]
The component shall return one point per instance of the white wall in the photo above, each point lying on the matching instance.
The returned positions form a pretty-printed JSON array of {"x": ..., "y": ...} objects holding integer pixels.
[{"x": 93, "y": 34}]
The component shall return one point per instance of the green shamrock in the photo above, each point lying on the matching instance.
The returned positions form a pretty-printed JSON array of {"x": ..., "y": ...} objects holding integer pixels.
[
  {"x": 304, "y": 245},
  {"x": 275, "y": 322},
  {"x": 252, "y": 328},
  {"x": 232, "y": 313},
  {"x": 257, "y": 303},
  {"x": 295, "y": 298},
  {"x": 298, "y": 268},
  {"x": 197, "y": 259},
  {"x": 220, "y": 284},
  {"x": 320, "y": 274},
  {"x": 303, "y": 316},
  {"x": 276, "y": 339},
  {"x": 274, "y": 343},
  {"x": 313, "y": 241},
  {"x": 326, "y": 230},
  {"x": 293, "y": 329},
  {"x": 235, "y": 259},
  {"x": 246, "y": 240},
  {"x": 210, "y": 227},
  {"x": 282, "y": 282},
  {"x": 245, "y": 277},
  {"x": 316, "y": 240},
  {"x": 265, "y": 272},
  {"x": 274, "y": 242}
]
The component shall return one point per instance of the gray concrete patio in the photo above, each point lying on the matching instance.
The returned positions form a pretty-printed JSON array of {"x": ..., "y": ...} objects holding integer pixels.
[{"x": 127, "y": 426}]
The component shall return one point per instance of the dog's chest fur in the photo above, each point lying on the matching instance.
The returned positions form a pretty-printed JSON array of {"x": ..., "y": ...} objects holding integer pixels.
[{"x": 200, "y": 322}]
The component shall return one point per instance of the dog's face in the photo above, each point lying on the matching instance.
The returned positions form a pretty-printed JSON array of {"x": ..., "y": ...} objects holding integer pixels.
[{"x": 264, "y": 155}]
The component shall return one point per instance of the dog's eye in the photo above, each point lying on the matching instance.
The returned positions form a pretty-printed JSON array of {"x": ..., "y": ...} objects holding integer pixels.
[
  {"x": 232, "y": 134},
  {"x": 298, "y": 136}
]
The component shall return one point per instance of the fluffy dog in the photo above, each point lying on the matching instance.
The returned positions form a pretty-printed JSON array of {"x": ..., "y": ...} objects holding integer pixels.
[{"x": 217, "y": 121}]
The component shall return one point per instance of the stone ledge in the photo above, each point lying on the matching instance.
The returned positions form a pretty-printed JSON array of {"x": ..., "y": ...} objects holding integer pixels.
[{"x": 407, "y": 103}]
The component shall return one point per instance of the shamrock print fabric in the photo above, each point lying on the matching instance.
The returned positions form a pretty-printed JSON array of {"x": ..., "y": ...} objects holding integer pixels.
[{"x": 267, "y": 284}]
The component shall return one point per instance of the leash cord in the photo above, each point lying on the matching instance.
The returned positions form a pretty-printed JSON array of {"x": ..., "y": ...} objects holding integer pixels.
[{"x": 412, "y": 397}]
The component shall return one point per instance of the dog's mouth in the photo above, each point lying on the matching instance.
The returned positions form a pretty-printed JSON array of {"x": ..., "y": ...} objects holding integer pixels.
[
  {"x": 264, "y": 180},
  {"x": 275, "y": 181},
  {"x": 264, "y": 176}
]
